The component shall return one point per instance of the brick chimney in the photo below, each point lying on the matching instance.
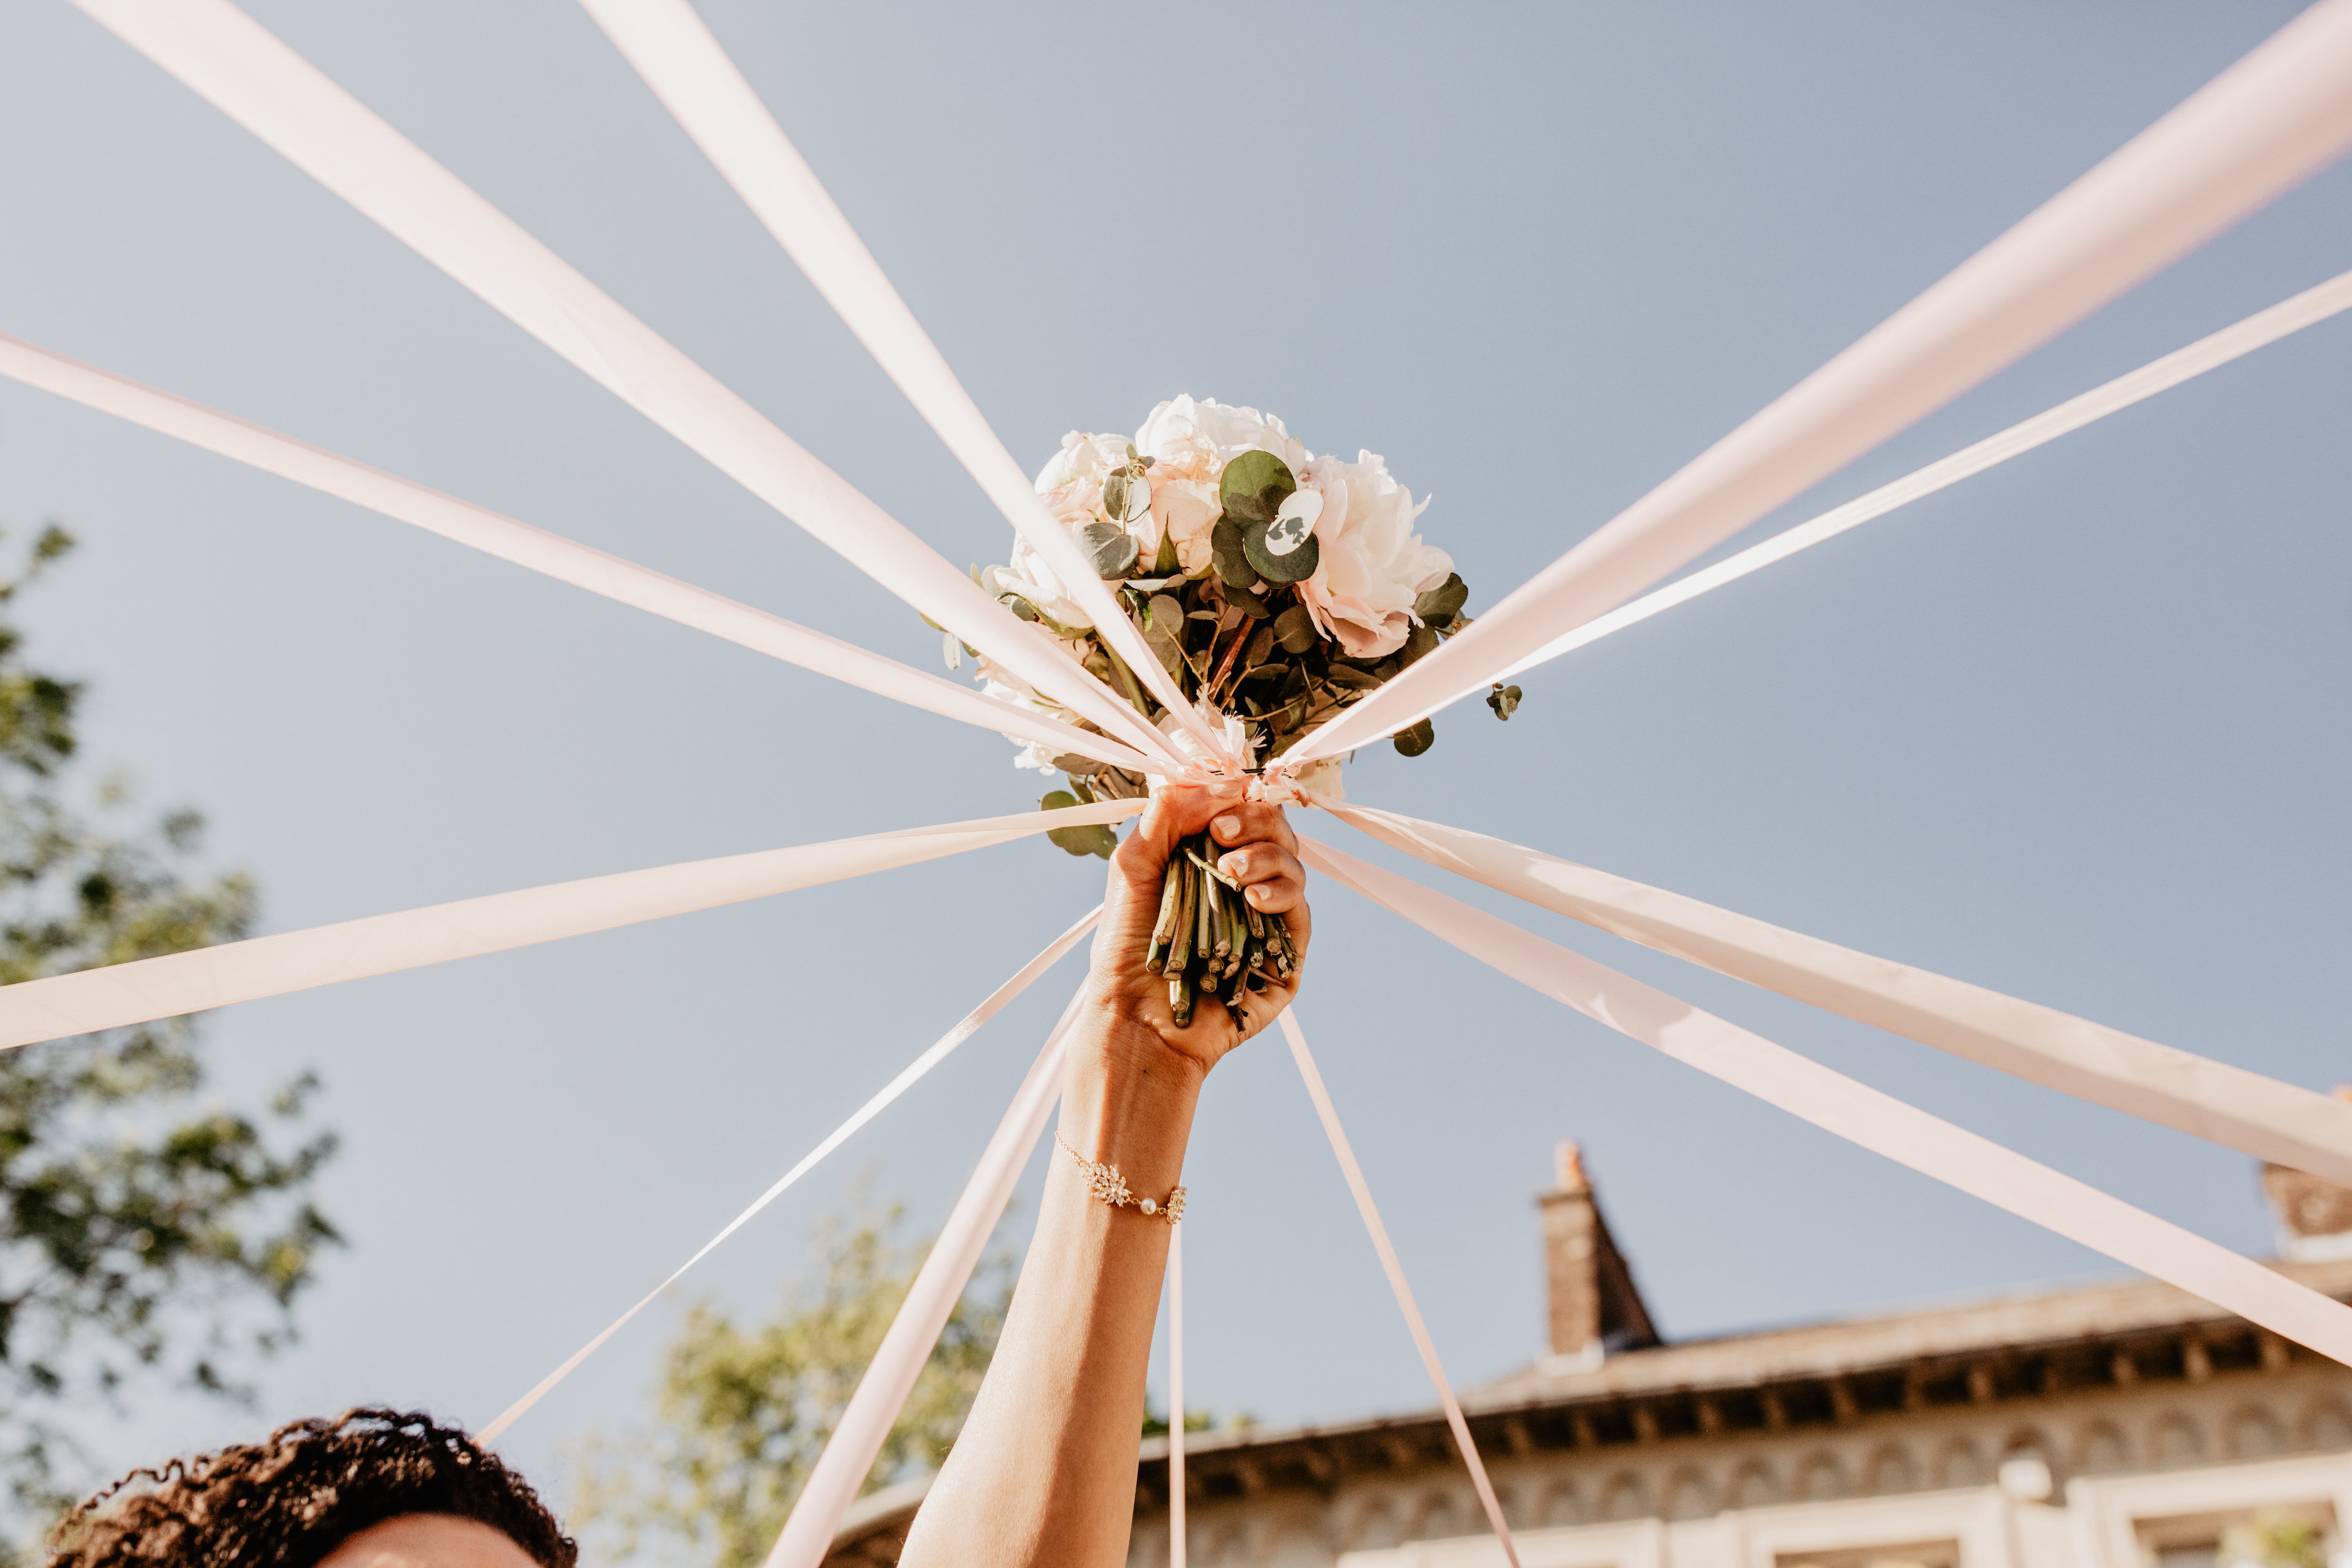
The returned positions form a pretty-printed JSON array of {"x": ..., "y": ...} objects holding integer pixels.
[
  {"x": 2315, "y": 1217},
  {"x": 1593, "y": 1308}
]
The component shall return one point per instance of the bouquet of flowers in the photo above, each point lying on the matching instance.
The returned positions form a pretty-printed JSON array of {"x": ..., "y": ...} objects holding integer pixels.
[{"x": 1276, "y": 587}]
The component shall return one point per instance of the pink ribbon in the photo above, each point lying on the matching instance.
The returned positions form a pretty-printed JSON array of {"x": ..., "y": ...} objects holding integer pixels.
[
  {"x": 849, "y": 1454},
  {"x": 1860, "y": 1114},
  {"x": 1395, "y": 1270},
  {"x": 2209, "y": 1100},
  {"x": 964, "y": 1029},
  {"x": 249, "y": 75},
  {"x": 89, "y": 1000},
  {"x": 548, "y": 554},
  {"x": 671, "y": 49},
  {"x": 2279, "y": 115},
  {"x": 2316, "y": 304}
]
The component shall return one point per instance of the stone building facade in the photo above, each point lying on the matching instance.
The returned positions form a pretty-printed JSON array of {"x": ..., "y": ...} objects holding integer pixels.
[{"x": 2119, "y": 1426}]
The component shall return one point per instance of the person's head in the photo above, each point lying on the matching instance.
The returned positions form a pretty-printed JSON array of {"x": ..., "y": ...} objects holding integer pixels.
[{"x": 371, "y": 1489}]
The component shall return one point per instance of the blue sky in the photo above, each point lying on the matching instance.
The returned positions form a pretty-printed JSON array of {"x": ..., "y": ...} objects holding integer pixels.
[{"x": 2073, "y": 730}]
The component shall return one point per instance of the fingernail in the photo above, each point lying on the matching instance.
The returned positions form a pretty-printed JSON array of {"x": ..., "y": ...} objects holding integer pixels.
[{"x": 1229, "y": 826}]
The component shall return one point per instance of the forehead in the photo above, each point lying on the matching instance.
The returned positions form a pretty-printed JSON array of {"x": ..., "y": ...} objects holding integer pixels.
[{"x": 429, "y": 1541}]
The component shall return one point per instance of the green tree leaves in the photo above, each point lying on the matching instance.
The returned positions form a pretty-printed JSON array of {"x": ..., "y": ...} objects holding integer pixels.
[
  {"x": 744, "y": 1409},
  {"x": 136, "y": 1230}
]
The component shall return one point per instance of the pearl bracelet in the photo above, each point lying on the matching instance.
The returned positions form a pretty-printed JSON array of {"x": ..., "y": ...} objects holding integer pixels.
[{"x": 1105, "y": 1183}]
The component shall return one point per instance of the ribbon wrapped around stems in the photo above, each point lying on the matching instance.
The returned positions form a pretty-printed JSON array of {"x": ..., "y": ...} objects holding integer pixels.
[
  {"x": 2177, "y": 1088},
  {"x": 1858, "y": 1113}
]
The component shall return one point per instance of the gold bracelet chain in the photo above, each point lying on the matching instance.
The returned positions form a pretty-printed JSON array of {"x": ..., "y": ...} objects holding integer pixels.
[{"x": 1105, "y": 1183}]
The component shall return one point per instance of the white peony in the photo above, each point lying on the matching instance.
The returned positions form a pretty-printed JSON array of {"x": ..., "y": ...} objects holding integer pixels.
[
  {"x": 1373, "y": 566},
  {"x": 1082, "y": 457},
  {"x": 1180, "y": 430}
]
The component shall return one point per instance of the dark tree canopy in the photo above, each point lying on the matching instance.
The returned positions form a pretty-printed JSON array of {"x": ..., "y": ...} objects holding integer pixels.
[{"x": 141, "y": 1234}]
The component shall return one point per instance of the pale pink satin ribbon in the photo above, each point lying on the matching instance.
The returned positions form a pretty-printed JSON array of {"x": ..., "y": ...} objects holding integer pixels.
[
  {"x": 1862, "y": 1115},
  {"x": 245, "y": 71},
  {"x": 1395, "y": 1270},
  {"x": 964, "y": 1029},
  {"x": 2265, "y": 327},
  {"x": 2210, "y": 1099},
  {"x": 92, "y": 999},
  {"x": 539, "y": 550},
  {"x": 2276, "y": 117},
  {"x": 1176, "y": 1544},
  {"x": 691, "y": 74},
  {"x": 849, "y": 1454}
]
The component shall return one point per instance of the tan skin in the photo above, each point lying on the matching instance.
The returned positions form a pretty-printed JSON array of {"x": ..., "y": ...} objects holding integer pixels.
[
  {"x": 428, "y": 1541},
  {"x": 1045, "y": 1470}
]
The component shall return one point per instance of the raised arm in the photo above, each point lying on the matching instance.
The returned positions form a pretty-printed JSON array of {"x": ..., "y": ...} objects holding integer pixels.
[{"x": 1045, "y": 1471}]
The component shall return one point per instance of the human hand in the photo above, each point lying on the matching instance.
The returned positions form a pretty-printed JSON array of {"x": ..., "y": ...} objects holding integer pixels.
[{"x": 1258, "y": 851}]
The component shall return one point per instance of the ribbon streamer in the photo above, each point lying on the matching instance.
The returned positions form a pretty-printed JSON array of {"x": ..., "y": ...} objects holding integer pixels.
[
  {"x": 1176, "y": 1398},
  {"x": 1380, "y": 1235},
  {"x": 849, "y": 1454},
  {"x": 2273, "y": 119},
  {"x": 1860, "y": 1114},
  {"x": 539, "y": 550},
  {"x": 2190, "y": 1093},
  {"x": 968, "y": 1026},
  {"x": 2265, "y": 327},
  {"x": 89, "y": 1000},
  {"x": 244, "y": 70},
  {"x": 687, "y": 69}
]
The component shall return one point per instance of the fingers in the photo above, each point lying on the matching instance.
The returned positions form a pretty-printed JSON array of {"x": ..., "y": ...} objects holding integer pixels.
[
  {"x": 1175, "y": 812},
  {"x": 1251, "y": 821}
]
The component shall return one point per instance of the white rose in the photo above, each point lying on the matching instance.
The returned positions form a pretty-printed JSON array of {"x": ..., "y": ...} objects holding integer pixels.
[
  {"x": 1373, "y": 567},
  {"x": 1082, "y": 457}
]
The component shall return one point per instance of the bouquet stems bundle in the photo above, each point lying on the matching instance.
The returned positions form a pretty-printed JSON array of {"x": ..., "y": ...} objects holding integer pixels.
[{"x": 1209, "y": 941}]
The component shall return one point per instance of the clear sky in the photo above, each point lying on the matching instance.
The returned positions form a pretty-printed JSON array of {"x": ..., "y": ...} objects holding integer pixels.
[{"x": 2074, "y": 730}]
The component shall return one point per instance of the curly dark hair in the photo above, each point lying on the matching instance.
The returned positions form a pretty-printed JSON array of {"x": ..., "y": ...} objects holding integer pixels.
[{"x": 291, "y": 1501}]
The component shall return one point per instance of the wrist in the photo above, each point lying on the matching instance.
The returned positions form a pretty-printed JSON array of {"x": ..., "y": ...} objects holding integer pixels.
[{"x": 1127, "y": 1098}]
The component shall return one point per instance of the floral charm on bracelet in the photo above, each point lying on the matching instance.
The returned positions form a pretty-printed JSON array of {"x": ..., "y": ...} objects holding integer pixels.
[{"x": 1104, "y": 1182}]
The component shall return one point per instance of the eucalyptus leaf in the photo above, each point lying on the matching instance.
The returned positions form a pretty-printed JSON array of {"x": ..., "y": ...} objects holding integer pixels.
[
  {"x": 1294, "y": 567},
  {"x": 1255, "y": 486},
  {"x": 1249, "y": 604},
  {"x": 1295, "y": 629},
  {"x": 1503, "y": 701},
  {"x": 1126, "y": 497},
  {"x": 1419, "y": 644},
  {"x": 1294, "y": 522},
  {"x": 1057, "y": 800},
  {"x": 1355, "y": 679},
  {"x": 1093, "y": 839},
  {"x": 1228, "y": 558},
  {"x": 1260, "y": 647},
  {"x": 1420, "y": 738},
  {"x": 1110, "y": 549},
  {"x": 1444, "y": 602}
]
